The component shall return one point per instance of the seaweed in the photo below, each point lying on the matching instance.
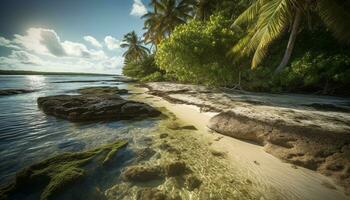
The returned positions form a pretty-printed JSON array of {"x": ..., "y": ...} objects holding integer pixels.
[{"x": 53, "y": 175}]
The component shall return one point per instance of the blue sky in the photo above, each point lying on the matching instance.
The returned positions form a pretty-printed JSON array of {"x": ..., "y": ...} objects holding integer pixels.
[{"x": 67, "y": 35}]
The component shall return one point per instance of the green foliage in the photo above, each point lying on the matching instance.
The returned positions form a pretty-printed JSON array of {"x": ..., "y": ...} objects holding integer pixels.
[
  {"x": 318, "y": 57},
  {"x": 140, "y": 68},
  {"x": 167, "y": 14},
  {"x": 267, "y": 21},
  {"x": 154, "y": 77},
  {"x": 196, "y": 52},
  {"x": 327, "y": 74}
]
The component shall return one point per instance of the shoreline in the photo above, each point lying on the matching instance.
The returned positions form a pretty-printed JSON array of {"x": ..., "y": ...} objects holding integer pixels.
[{"x": 260, "y": 159}]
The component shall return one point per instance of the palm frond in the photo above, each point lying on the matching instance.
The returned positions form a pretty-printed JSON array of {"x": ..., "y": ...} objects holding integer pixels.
[
  {"x": 250, "y": 14},
  {"x": 336, "y": 18},
  {"x": 271, "y": 24}
]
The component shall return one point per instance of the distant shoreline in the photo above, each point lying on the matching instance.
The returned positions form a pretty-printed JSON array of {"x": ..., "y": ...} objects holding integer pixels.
[{"x": 22, "y": 72}]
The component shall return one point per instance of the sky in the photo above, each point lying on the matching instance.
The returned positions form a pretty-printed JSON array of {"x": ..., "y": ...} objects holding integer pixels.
[{"x": 67, "y": 35}]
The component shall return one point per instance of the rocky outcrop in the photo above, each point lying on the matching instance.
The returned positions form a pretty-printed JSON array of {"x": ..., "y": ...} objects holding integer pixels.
[
  {"x": 175, "y": 168},
  {"x": 94, "y": 107},
  {"x": 192, "y": 182},
  {"x": 142, "y": 173},
  {"x": 15, "y": 91},
  {"x": 311, "y": 147},
  {"x": 152, "y": 194},
  {"x": 102, "y": 90},
  {"x": 306, "y": 130}
]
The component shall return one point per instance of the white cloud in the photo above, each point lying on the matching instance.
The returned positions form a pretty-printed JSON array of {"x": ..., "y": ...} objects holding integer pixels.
[
  {"x": 112, "y": 43},
  {"x": 25, "y": 58},
  {"x": 47, "y": 42},
  {"x": 42, "y": 49},
  {"x": 31, "y": 41},
  {"x": 52, "y": 42},
  {"x": 7, "y": 43},
  {"x": 138, "y": 8},
  {"x": 92, "y": 41},
  {"x": 76, "y": 49}
]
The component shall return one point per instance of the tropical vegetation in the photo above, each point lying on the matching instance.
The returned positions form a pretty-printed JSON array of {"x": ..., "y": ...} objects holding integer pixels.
[
  {"x": 259, "y": 45},
  {"x": 266, "y": 21},
  {"x": 136, "y": 51}
]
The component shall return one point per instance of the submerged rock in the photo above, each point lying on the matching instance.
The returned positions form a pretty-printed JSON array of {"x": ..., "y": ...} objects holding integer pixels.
[
  {"x": 102, "y": 90},
  {"x": 15, "y": 91},
  {"x": 145, "y": 154},
  {"x": 94, "y": 107},
  {"x": 55, "y": 174},
  {"x": 192, "y": 182},
  {"x": 163, "y": 135},
  {"x": 142, "y": 173},
  {"x": 166, "y": 147},
  {"x": 175, "y": 168},
  {"x": 151, "y": 194}
]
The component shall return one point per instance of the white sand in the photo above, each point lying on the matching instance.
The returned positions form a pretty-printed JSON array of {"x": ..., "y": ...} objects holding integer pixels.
[{"x": 294, "y": 183}]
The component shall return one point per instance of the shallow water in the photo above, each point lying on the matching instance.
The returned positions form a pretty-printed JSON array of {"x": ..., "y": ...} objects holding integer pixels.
[{"x": 27, "y": 135}]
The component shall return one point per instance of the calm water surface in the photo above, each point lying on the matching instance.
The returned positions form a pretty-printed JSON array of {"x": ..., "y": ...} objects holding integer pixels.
[{"x": 27, "y": 135}]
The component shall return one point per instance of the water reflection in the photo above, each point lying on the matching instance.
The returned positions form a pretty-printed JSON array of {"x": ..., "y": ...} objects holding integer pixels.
[{"x": 36, "y": 81}]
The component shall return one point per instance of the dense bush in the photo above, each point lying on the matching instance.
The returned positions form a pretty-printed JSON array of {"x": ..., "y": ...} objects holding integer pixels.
[
  {"x": 320, "y": 73},
  {"x": 141, "y": 69},
  {"x": 319, "y": 65},
  {"x": 154, "y": 77},
  {"x": 196, "y": 52}
]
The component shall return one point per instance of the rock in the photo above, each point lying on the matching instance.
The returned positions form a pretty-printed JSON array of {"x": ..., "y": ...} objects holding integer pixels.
[
  {"x": 97, "y": 194},
  {"x": 175, "y": 168},
  {"x": 328, "y": 185},
  {"x": 217, "y": 153},
  {"x": 151, "y": 194},
  {"x": 102, "y": 90},
  {"x": 52, "y": 176},
  {"x": 166, "y": 147},
  {"x": 189, "y": 127},
  {"x": 163, "y": 135},
  {"x": 218, "y": 138},
  {"x": 145, "y": 141},
  {"x": 15, "y": 91},
  {"x": 142, "y": 173},
  {"x": 176, "y": 126},
  {"x": 328, "y": 107},
  {"x": 119, "y": 191},
  {"x": 94, "y": 107},
  {"x": 192, "y": 182},
  {"x": 318, "y": 148},
  {"x": 145, "y": 154}
]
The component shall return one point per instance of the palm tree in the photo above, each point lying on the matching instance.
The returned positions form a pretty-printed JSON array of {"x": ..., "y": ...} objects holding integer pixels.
[
  {"x": 155, "y": 5},
  {"x": 204, "y": 8},
  {"x": 136, "y": 51},
  {"x": 166, "y": 16},
  {"x": 267, "y": 20}
]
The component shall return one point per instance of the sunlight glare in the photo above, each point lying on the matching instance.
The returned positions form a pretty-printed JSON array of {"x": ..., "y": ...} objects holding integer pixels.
[{"x": 36, "y": 81}]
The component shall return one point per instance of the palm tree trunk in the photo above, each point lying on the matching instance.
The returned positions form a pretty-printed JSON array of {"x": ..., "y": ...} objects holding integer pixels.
[{"x": 291, "y": 42}]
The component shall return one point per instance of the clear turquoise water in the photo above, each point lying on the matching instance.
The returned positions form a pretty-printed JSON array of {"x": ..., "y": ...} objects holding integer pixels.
[{"x": 27, "y": 135}]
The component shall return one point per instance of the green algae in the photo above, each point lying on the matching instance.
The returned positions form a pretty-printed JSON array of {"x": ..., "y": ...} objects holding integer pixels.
[{"x": 53, "y": 175}]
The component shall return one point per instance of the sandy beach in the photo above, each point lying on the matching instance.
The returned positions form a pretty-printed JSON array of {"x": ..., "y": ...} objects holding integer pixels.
[{"x": 288, "y": 179}]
